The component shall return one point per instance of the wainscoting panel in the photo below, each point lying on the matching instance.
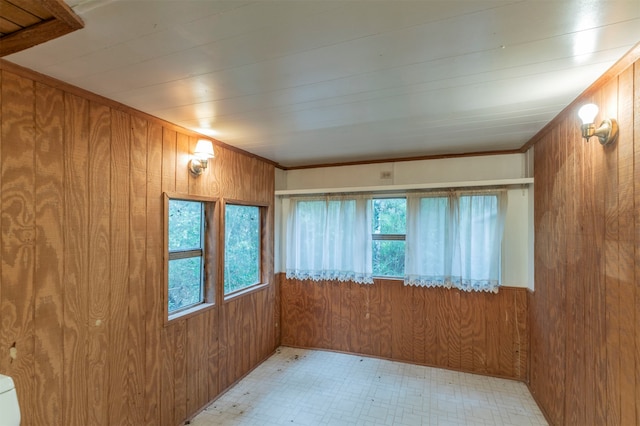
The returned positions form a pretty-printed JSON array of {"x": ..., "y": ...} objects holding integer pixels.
[{"x": 474, "y": 332}]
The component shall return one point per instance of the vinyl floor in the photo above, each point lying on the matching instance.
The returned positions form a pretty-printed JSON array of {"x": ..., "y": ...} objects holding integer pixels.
[{"x": 313, "y": 387}]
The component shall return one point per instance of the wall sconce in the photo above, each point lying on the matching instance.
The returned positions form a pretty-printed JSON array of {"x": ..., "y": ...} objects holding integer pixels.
[
  {"x": 607, "y": 133},
  {"x": 201, "y": 156}
]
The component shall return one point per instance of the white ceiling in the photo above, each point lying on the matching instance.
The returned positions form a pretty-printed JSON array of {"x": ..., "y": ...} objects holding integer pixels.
[{"x": 317, "y": 81}]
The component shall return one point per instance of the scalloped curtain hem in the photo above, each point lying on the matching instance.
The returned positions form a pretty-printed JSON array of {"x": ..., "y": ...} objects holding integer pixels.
[
  {"x": 489, "y": 286},
  {"x": 330, "y": 276}
]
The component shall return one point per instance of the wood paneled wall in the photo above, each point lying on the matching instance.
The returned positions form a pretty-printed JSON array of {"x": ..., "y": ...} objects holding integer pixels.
[
  {"x": 585, "y": 311},
  {"x": 468, "y": 331},
  {"x": 81, "y": 281}
]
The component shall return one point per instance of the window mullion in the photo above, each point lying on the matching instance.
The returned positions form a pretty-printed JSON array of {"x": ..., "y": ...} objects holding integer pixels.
[{"x": 185, "y": 254}]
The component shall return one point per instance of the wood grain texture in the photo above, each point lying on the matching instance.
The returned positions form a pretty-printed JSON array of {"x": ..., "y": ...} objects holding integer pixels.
[
  {"x": 400, "y": 308},
  {"x": 99, "y": 262},
  {"x": 76, "y": 260},
  {"x": 17, "y": 183},
  {"x": 154, "y": 312},
  {"x": 82, "y": 288},
  {"x": 137, "y": 271},
  {"x": 179, "y": 347},
  {"x": 48, "y": 274},
  {"x": 636, "y": 184},
  {"x": 626, "y": 245},
  {"x": 583, "y": 320},
  {"x": 119, "y": 268}
]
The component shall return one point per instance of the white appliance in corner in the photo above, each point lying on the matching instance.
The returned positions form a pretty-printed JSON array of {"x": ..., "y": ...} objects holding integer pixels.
[{"x": 9, "y": 402}]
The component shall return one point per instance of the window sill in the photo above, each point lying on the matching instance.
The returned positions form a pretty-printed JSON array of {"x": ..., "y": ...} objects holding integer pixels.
[
  {"x": 244, "y": 291},
  {"x": 187, "y": 313}
]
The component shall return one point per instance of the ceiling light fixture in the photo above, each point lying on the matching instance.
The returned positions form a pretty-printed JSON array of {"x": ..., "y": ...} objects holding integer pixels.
[
  {"x": 201, "y": 156},
  {"x": 607, "y": 133}
]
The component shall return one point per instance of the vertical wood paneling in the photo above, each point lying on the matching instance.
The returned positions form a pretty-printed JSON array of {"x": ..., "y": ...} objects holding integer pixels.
[
  {"x": 82, "y": 289},
  {"x": 430, "y": 327},
  {"x": 453, "y": 329},
  {"x": 179, "y": 353},
  {"x": 508, "y": 310},
  {"x": 626, "y": 245},
  {"x": 76, "y": 260},
  {"x": 336, "y": 330},
  {"x": 119, "y": 280},
  {"x": 244, "y": 306},
  {"x": 493, "y": 338},
  {"x": 466, "y": 331},
  {"x": 479, "y": 332},
  {"x": 196, "y": 366},
  {"x": 612, "y": 282},
  {"x": 400, "y": 308},
  {"x": 213, "y": 357},
  {"x": 138, "y": 271},
  {"x": 182, "y": 163},
  {"x": 521, "y": 338},
  {"x": 167, "y": 377},
  {"x": 99, "y": 262},
  {"x": 385, "y": 319},
  {"x": 397, "y": 324},
  {"x": 406, "y": 324},
  {"x": 419, "y": 320},
  {"x": 359, "y": 325},
  {"x": 168, "y": 398},
  {"x": 586, "y": 296},
  {"x": 48, "y": 315},
  {"x": 17, "y": 182},
  {"x": 153, "y": 258},
  {"x": 636, "y": 184}
]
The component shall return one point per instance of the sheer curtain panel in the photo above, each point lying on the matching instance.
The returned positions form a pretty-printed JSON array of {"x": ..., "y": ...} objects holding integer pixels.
[
  {"x": 455, "y": 240},
  {"x": 329, "y": 238}
]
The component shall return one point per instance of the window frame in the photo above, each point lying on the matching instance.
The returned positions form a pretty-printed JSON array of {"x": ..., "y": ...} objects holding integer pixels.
[
  {"x": 263, "y": 209},
  {"x": 210, "y": 233},
  {"x": 388, "y": 237}
]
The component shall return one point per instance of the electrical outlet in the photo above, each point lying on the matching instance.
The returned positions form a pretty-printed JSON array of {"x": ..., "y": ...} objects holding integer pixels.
[{"x": 386, "y": 175}]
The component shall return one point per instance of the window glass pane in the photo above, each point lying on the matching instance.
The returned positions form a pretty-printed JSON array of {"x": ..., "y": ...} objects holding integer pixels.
[
  {"x": 241, "y": 247},
  {"x": 185, "y": 225},
  {"x": 389, "y": 216},
  {"x": 388, "y": 258},
  {"x": 185, "y": 283}
]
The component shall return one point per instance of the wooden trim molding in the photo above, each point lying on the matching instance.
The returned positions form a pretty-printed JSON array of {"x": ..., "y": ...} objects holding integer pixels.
[{"x": 402, "y": 159}]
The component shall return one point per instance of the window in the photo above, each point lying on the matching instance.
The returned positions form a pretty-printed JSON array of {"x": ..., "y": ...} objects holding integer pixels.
[
  {"x": 448, "y": 239},
  {"x": 389, "y": 224},
  {"x": 186, "y": 265},
  {"x": 242, "y": 247}
]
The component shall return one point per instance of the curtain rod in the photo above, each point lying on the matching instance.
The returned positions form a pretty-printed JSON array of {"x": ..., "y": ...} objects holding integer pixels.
[{"x": 406, "y": 187}]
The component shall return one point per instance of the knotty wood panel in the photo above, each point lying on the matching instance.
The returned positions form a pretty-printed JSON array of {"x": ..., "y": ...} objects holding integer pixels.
[
  {"x": 583, "y": 316},
  {"x": 437, "y": 340},
  {"x": 81, "y": 293}
]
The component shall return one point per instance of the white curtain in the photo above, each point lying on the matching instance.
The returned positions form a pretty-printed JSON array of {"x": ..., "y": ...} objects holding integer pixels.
[
  {"x": 329, "y": 238},
  {"x": 455, "y": 240}
]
